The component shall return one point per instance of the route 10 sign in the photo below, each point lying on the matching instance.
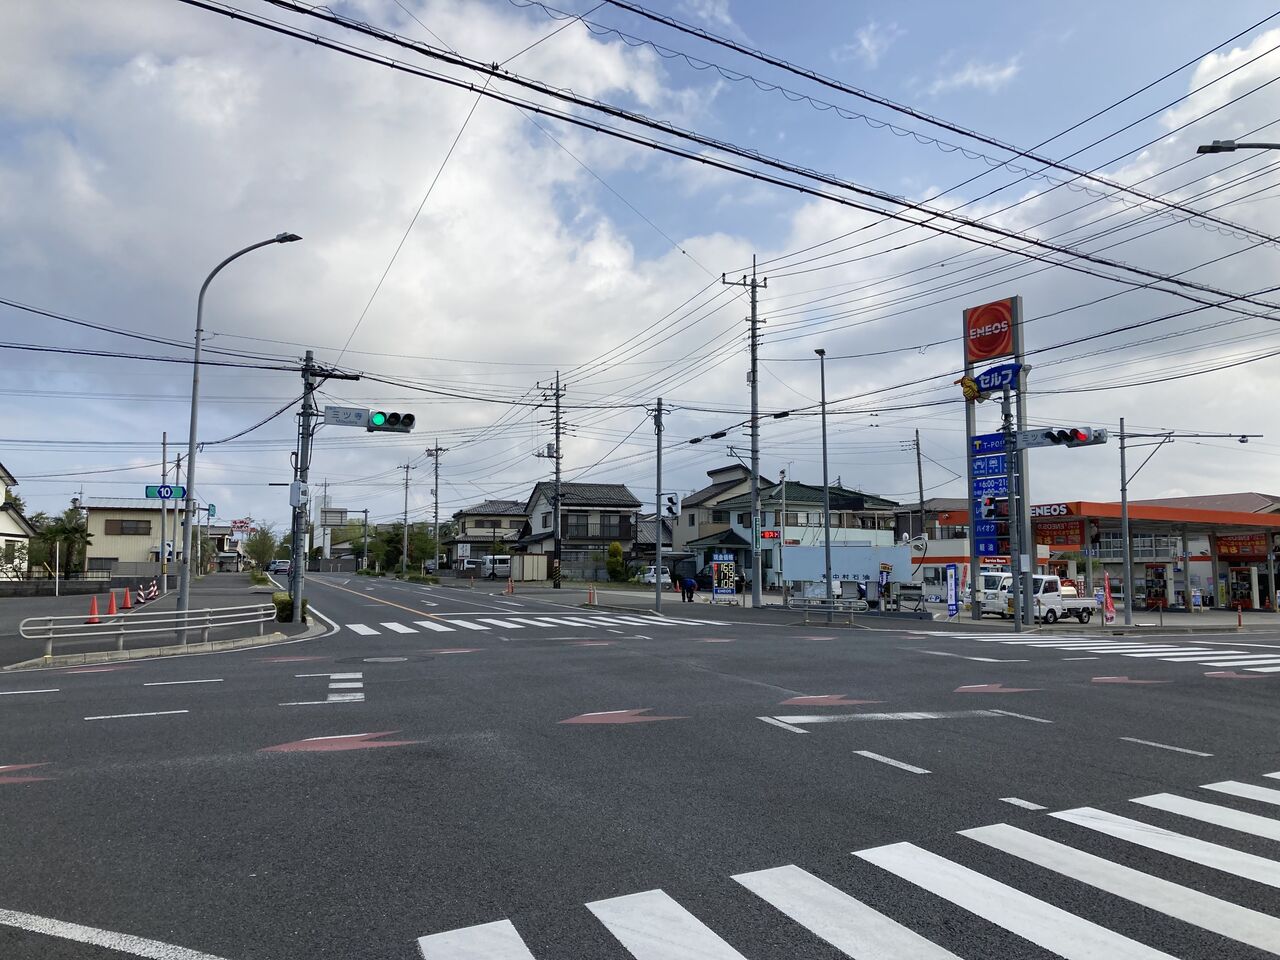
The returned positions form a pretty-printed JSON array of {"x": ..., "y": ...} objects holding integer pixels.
[{"x": 166, "y": 491}]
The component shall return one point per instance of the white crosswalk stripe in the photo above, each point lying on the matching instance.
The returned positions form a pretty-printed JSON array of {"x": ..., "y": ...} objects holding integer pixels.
[
  {"x": 361, "y": 629},
  {"x": 654, "y": 925},
  {"x": 505, "y": 624},
  {"x": 516, "y": 623},
  {"x": 435, "y": 625},
  {"x": 398, "y": 628},
  {"x": 467, "y": 625},
  {"x": 1256, "y": 661}
]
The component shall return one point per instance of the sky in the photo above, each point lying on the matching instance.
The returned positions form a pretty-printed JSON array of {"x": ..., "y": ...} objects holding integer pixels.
[{"x": 466, "y": 248}]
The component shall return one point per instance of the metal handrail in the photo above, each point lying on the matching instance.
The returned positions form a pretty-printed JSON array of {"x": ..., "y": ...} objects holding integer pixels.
[
  {"x": 49, "y": 629},
  {"x": 837, "y": 603}
]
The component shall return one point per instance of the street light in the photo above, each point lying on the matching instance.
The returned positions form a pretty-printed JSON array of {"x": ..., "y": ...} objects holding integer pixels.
[
  {"x": 184, "y": 578},
  {"x": 826, "y": 486},
  {"x": 1230, "y": 146}
]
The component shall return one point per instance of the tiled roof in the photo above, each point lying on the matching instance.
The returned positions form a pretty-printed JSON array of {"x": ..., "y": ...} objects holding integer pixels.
[
  {"x": 125, "y": 503},
  {"x": 494, "y": 508},
  {"x": 803, "y": 494},
  {"x": 586, "y": 495},
  {"x": 725, "y": 538},
  {"x": 709, "y": 492},
  {"x": 1237, "y": 502},
  {"x": 644, "y": 531}
]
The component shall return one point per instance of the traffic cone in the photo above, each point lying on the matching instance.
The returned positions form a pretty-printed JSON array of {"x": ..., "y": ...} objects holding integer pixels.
[
  {"x": 93, "y": 610},
  {"x": 111, "y": 604},
  {"x": 128, "y": 601}
]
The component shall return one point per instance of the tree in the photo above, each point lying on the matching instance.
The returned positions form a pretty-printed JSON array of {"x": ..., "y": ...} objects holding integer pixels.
[
  {"x": 615, "y": 563},
  {"x": 261, "y": 545},
  {"x": 39, "y": 550},
  {"x": 16, "y": 499},
  {"x": 71, "y": 532}
]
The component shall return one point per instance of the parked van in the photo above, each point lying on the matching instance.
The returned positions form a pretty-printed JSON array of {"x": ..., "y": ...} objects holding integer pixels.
[
  {"x": 994, "y": 595},
  {"x": 495, "y": 566}
]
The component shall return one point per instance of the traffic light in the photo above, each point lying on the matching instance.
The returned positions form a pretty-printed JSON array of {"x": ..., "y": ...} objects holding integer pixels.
[
  {"x": 993, "y": 508},
  {"x": 390, "y": 422},
  {"x": 1075, "y": 436},
  {"x": 988, "y": 508},
  {"x": 672, "y": 507}
]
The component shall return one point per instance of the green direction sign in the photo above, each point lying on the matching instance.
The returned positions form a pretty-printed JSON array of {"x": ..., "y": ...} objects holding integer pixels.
[
  {"x": 212, "y": 510},
  {"x": 166, "y": 491}
]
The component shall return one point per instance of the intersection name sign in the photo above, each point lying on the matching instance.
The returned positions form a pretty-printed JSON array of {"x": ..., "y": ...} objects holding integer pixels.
[{"x": 347, "y": 416}]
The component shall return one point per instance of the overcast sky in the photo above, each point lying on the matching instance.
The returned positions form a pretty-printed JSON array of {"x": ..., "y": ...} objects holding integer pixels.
[{"x": 142, "y": 141}]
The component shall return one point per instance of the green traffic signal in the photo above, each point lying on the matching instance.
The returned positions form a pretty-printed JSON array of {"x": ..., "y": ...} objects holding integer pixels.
[{"x": 378, "y": 419}]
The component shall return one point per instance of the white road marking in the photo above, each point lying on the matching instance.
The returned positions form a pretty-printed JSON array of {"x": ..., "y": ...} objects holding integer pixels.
[
  {"x": 174, "y": 683},
  {"x": 1246, "y": 790},
  {"x": 1183, "y": 903},
  {"x": 331, "y": 676},
  {"x": 1264, "y": 669},
  {"x": 361, "y": 629},
  {"x": 1020, "y": 716},
  {"x": 1188, "y": 652},
  {"x": 1243, "y": 662},
  {"x": 1079, "y": 658},
  {"x": 890, "y": 761},
  {"x": 123, "y": 716},
  {"x": 785, "y": 726},
  {"x": 555, "y": 621},
  {"x": 489, "y": 941},
  {"x": 847, "y": 924},
  {"x": 906, "y": 715},
  {"x": 466, "y": 625},
  {"x": 1212, "y": 813},
  {"x": 354, "y": 685},
  {"x": 398, "y": 628},
  {"x": 940, "y": 653},
  {"x": 1212, "y": 855},
  {"x": 1045, "y": 925},
  {"x": 505, "y": 624},
  {"x": 120, "y": 942},
  {"x": 312, "y": 703},
  {"x": 652, "y": 926},
  {"x": 1165, "y": 746},
  {"x": 528, "y": 622},
  {"x": 18, "y": 693},
  {"x": 1024, "y": 804},
  {"x": 434, "y": 625}
]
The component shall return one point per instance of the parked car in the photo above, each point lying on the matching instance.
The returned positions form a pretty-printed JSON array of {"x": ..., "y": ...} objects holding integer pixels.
[{"x": 650, "y": 576}]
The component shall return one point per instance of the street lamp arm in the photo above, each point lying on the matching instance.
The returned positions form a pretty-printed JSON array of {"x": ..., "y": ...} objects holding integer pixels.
[{"x": 278, "y": 238}]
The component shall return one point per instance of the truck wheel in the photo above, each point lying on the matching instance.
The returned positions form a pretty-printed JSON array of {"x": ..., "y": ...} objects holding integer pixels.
[
  {"x": 1085, "y": 616},
  {"x": 1051, "y": 616}
]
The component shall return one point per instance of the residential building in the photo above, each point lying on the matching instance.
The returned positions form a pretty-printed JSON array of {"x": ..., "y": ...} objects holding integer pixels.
[
  {"x": 126, "y": 535},
  {"x": 15, "y": 533},
  {"x": 643, "y": 550},
  {"x": 492, "y": 526},
  {"x": 592, "y": 516},
  {"x": 945, "y": 518},
  {"x": 700, "y": 512}
]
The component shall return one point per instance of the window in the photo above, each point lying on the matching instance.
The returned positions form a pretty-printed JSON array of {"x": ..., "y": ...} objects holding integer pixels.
[
  {"x": 744, "y": 519},
  {"x": 693, "y": 518},
  {"x": 576, "y": 525},
  {"x": 766, "y": 559},
  {"x": 514, "y": 524},
  {"x": 793, "y": 519},
  {"x": 128, "y": 528},
  {"x": 719, "y": 516},
  {"x": 10, "y": 551},
  {"x": 611, "y": 525},
  {"x": 102, "y": 563},
  {"x": 488, "y": 524},
  {"x": 546, "y": 520}
]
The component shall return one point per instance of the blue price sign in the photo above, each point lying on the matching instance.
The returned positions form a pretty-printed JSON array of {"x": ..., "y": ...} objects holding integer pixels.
[
  {"x": 997, "y": 378},
  {"x": 990, "y": 487},
  {"x": 984, "y": 529},
  {"x": 985, "y": 443},
  {"x": 994, "y": 465},
  {"x": 988, "y": 548}
]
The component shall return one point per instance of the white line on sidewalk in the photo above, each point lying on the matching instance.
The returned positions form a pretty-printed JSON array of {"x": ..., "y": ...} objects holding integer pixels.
[
  {"x": 122, "y": 716},
  {"x": 892, "y": 762},
  {"x": 1165, "y": 746}
]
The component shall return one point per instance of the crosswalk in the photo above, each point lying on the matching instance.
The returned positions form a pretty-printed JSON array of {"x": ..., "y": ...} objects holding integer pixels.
[
  {"x": 1056, "y": 858},
  {"x": 447, "y": 624},
  {"x": 1257, "y": 660}
]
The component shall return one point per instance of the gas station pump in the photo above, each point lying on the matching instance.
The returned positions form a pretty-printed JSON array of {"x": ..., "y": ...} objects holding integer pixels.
[
  {"x": 1157, "y": 586},
  {"x": 1242, "y": 587}
]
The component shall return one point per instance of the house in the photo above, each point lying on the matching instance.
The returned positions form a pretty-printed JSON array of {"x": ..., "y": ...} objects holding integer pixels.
[
  {"x": 642, "y": 550},
  {"x": 857, "y": 519},
  {"x": 700, "y": 513},
  {"x": 15, "y": 533},
  {"x": 592, "y": 516},
  {"x": 126, "y": 534},
  {"x": 492, "y": 526}
]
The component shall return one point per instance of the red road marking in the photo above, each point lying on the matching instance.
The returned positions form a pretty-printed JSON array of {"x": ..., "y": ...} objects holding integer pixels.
[
  {"x": 1232, "y": 675},
  {"x": 351, "y": 741},
  {"x": 1126, "y": 680},
  {"x": 826, "y": 700},
  {"x": 618, "y": 716},
  {"x": 993, "y": 688},
  {"x": 455, "y": 650},
  {"x": 6, "y": 768},
  {"x": 290, "y": 659}
]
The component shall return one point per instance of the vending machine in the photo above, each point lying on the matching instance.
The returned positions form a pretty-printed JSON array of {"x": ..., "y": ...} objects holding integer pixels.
[
  {"x": 1157, "y": 586},
  {"x": 1242, "y": 587}
]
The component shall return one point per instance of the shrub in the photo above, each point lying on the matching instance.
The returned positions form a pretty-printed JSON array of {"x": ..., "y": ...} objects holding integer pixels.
[
  {"x": 615, "y": 564},
  {"x": 258, "y": 578},
  {"x": 284, "y": 607}
]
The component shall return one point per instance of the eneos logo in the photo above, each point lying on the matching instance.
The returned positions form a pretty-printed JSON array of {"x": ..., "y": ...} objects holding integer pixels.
[{"x": 988, "y": 331}]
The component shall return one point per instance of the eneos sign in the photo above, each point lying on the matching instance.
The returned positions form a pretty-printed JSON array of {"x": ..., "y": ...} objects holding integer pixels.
[{"x": 988, "y": 331}]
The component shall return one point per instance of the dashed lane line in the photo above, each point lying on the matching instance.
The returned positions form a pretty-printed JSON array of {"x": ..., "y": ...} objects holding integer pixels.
[{"x": 125, "y": 716}]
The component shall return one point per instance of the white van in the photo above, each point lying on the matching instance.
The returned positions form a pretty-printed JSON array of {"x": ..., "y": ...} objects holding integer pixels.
[
  {"x": 994, "y": 595},
  {"x": 495, "y": 566}
]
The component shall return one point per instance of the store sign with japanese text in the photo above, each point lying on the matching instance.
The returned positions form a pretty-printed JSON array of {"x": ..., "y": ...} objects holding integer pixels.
[
  {"x": 1060, "y": 534},
  {"x": 1252, "y": 546}
]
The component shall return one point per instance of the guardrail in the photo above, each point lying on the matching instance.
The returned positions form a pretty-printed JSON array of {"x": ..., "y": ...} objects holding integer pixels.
[
  {"x": 823, "y": 605},
  {"x": 50, "y": 629}
]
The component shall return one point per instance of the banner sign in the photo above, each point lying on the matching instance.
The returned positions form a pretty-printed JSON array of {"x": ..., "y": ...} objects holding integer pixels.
[
  {"x": 1062, "y": 534},
  {"x": 997, "y": 378},
  {"x": 988, "y": 331},
  {"x": 1245, "y": 545},
  {"x": 953, "y": 590}
]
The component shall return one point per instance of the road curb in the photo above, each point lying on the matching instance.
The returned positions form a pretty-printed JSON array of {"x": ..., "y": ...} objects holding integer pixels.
[{"x": 174, "y": 650}]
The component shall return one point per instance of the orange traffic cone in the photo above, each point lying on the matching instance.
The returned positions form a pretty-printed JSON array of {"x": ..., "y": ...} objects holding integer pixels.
[
  {"x": 111, "y": 604},
  {"x": 128, "y": 600},
  {"x": 93, "y": 610}
]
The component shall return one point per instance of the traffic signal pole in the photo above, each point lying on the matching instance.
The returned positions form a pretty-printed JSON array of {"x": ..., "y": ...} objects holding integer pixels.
[
  {"x": 1015, "y": 533},
  {"x": 658, "y": 575},
  {"x": 297, "y": 547}
]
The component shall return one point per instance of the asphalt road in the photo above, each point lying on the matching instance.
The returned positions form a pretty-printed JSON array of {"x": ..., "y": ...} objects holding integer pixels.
[{"x": 424, "y": 784}]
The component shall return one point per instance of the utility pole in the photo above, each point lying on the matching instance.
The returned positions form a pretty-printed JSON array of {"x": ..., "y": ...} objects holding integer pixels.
[
  {"x": 404, "y": 546},
  {"x": 1015, "y": 534},
  {"x": 753, "y": 285},
  {"x": 826, "y": 489},
  {"x": 658, "y": 573},
  {"x": 364, "y": 557},
  {"x": 302, "y": 469},
  {"x": 324, "y": 527},
  {"x": 434, "y": 454},
  {"x": 164, "y": 509},
  {"x": 782, "y": 537},
  {"x": 920, "y": 482},
  {"x": 555, "y": 453}
]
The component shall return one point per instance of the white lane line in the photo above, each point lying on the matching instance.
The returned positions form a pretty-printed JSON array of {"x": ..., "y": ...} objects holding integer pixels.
[
  {"x": 1186, "y": 652},
  {"x": 785, "y": 726},
  {"x": 1246, "y": 790},
  {"x": 433, "y": 625},
  {"x": 1212, "y": 855},
  {"x": 910, "y": 715},
  {"x": 466, "y": 625},
  {"x": 331, "y": 676},
  {"x": 1045, "y": 925},
  {"x": 1212, "y": 813},
  {"x": 505, "y": 624},
  {"x": 398, "y": 627},
  {"x": 18, "y": 693},
  {"x": 357, "y": 698},
  {"x": 652, "y": 926},
  {"x": 847, "y": 924},
  {"x": 1024, "y": 804},
  {"x": 1065, "y": 659},
  {"x": 489, "y": 941},
  {"x": 1242, "y": 662},
  {"x": 1264, "y": 669},
  {"x": 353, "y": 685},
  {"x": 1020, "y": 716},
  {"x": 121, "y": 942},
  {"x": 123, "y": 716},
  {"x": 1165, "y": 746},
  {"x": 958, "y": 656},
  {"x": 361, "y": 629},
  {"x": 890, "y": 761},
  {"x": 174, "y": 683},
  {"x": 1183, "y": 903}
]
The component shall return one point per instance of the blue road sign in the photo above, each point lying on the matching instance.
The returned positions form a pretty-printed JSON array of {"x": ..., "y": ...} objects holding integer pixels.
[
  {"x": 992, "y": 465},
  {"x": 985, "y": 443},
  {"x": 997, "y": 378}
]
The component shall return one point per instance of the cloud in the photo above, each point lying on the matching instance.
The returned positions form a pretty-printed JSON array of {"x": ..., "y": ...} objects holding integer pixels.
[
  {"x": 713, "y": 12},
  {"x": 870, "y": 42},
  {"x": 974, "y": 75}
]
